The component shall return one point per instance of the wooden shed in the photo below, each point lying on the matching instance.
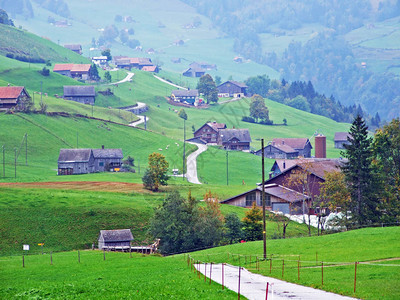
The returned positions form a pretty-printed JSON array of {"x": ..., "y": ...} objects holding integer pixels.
[
  {"x": 80, "y": 93},
  {"x": 75, "y": 161},
  {"x": 118, "y": 239}
]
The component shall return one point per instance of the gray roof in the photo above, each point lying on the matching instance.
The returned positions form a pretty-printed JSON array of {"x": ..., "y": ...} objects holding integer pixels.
[
  {"x": 117, "y": 235},
  {"x": 283, "y": 193},
  {"x": 79, "y": 90},
  {"x": 243, "y": 135},
  {"x": 73, "y": 47},
  {"x": 185, "y": 93},
  {"x": 239, "y": 84},
  {"x": 74, "y": 155},
  {"x": 341, "y": 136},
  {"x": 108, "y": 153}
]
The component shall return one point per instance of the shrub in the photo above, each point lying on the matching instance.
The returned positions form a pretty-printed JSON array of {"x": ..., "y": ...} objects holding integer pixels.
[
  {"x": 45, "y": 71},
  {"x": 248, "y": 119}
]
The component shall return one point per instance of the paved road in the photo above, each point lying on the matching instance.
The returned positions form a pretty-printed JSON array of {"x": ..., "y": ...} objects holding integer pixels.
[
  {"x": 136, "y": 123},
  {"x": 127, "y": 78},
  {"x": 253, "y": 286},
  {"x": 191, "y": 173},
  {"x": 170, "y": 83}
]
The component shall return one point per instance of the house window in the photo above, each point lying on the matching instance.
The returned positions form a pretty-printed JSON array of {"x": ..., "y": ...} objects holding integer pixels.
[
  {"x": 250, "y": 198},
  {"x": 101, "y": 164}
]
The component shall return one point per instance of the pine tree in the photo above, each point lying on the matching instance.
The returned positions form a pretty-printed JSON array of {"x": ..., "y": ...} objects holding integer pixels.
[{"x": 359, "y": 174}]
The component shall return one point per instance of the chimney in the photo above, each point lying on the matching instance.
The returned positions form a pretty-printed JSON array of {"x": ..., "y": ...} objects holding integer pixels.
[
  {"x": 102, "y": 147},
  {"x": 270, "y": 175},
  {"x": 284, "y": 165},
  {"x": 283, "y": 142}
]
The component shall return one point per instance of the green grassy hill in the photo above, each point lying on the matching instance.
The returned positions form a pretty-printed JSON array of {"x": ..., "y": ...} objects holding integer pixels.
[
  {"x": 23, "y": 43},
  {"x": 69, "y": 216}
]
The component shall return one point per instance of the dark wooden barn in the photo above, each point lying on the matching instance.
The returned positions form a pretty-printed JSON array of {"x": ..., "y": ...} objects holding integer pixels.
[
  {"x": 232, "y": 89},
  {"x": 75, "y": 161},
  {"x": 80, "y": 93}
]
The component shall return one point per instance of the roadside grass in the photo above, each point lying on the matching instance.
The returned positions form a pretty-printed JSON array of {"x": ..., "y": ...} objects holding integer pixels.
[
  {"x": 375, "y": 279},
  {"x": 67, "y": 216},
  {"x": 119, "y": 276}
]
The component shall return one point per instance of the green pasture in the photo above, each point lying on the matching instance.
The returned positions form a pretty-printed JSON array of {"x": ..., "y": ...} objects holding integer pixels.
[
  {"x": 377, "y": 250},
  {"x": 116, "y": 277},
  {"x": 66, "y": 219}
]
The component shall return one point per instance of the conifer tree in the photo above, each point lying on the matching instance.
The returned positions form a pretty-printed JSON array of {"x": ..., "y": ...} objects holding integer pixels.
[{"x": 359, "y": 174}]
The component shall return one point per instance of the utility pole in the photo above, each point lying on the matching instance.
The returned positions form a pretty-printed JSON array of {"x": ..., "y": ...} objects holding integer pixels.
[
  {"x": 184, "y": 149},
  {"x": 26, "y": 149},
  {"x": 227, "y": 168},
  {"x": 41, "y": 93},
  {"x": 4, "y": 165},
  {"x": 15, "y": 162},
  {"x": 263, "y": 199},
  {"x": 77, "y": 134}
]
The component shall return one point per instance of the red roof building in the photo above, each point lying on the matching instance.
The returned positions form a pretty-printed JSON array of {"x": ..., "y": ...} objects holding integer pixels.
[{"x": 11, "y": 95}]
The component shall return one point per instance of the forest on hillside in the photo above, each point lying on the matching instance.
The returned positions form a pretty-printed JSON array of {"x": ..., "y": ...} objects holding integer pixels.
[{"x": 327, "y": 60}]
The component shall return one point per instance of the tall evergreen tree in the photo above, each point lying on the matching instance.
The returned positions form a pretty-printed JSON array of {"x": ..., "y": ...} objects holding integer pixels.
[{"x": 359, "y": 174}]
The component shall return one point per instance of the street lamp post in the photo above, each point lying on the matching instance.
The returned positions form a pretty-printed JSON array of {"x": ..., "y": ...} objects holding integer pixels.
[{"x": 263, "y": 199}]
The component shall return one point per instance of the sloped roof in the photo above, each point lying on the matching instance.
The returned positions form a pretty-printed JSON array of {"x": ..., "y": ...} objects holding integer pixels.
[
  {"x": 10, "y": 92},
  {"x": 216, "y": 126},
  {"x": 74, "y": 155},
  {"x": 320, "y": 167},
  {"x": 149, "y": 68},
  {"x": 80, "y": 68},
  {"x": 117, "y": 235},
  {"x": 108, "y": 153},
  {"x": 239, "y": 84},
  {"x": 185, "y": 93},
  {"x": 283, "y": 193},
  {"x": 243, "y": 135},
  {"x": 295, "y": 143},
  {"x": 341, "y": 136},
  {"x": 73, "y": 47},
  {"x": 62, "y": 67},
  {"x": 195, "y": 69},
  {"x": 79, "y": 90},
  {"x": 283, "y": 148}
]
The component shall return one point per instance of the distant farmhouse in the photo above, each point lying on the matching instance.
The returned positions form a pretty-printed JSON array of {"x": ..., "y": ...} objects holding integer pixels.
[
  {"x": 77, "y": 71},
  {"x": 100, "y": 60},
  {"x": 11, "y": 96},
  {"x": 75, "y": 48},
  {"x": 80, "y": 93},
  {"x": 217, "y": 133},
  {"x": 84, "y": 161},
  {"x": 186, "y": 96},
  {"x": 119, "y": 239},
  {"x": 232, "y": 89},
  {"x": 140, "y": 63},
  {"x": 287, "y": 148},
  {"x": 203, "y": 65},
  {"x": 340, "y": 139},
  {"x": 194, "y": 72},
  {"x": 287, "y": 196}
]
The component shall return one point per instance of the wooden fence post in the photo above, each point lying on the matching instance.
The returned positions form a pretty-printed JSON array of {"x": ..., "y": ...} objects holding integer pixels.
[
  {"x": 266, "y": 292},
  {"x": 355, "y": 275},
  {"x": 322, "y": 272},
  {"x": 23, "y": 261},
  {"x": 222, "y": 275},
  {"x": 79, "y": 257},
  {"x": 205, "y": 272},
  {"x": 104, "y": 254},
  {"x": 210, "y": 271},
  {"x": 51, "y": 257},
  {"x": 283, "y": 267}
]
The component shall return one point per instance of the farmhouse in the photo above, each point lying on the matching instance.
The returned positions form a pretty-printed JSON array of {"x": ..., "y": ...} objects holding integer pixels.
[
  {"x": 124, "y": 62},
  {"x": 185, "y": 96},
  {"x": 286, "y": 194},
  {"x": 75, "y": 48},
  {"x": 232, "y": 89},
  {"x": 277, "y": 198},
  {"x": 84, "y": 161},
  {"x": 77, "y": 71},
  {"x": 208, "y": 133},
  {"x": 11, "y": 96},
  {"x": 287, "y": 148},
  {"x": 340, "y": 139},
  {"x": 80, "y": 93},
  {"x": 119, "y": 239},
  {"x": 150, "y": 69},
  {"x": 203, "y": 65},
  {"x": 234, "y": 139},
  {"x": 194, "y": 72},
  {"x": 107, "y": 159},
  {"x": 100, "y": 60}
]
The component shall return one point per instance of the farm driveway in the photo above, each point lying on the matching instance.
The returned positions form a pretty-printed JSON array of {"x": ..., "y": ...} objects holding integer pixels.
[
  {"x": 253, "y": 286},
  {"x": 170, "y": 83},
  {"x": 191, "y": 172}
]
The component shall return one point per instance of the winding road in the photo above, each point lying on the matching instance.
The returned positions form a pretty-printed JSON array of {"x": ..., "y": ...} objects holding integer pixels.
[{"x": 191, "y": 172}]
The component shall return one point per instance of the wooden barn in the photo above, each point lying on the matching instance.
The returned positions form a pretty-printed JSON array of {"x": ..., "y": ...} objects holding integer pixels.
[
  {"x": 119, "y": 239},
  {"x": 84, "y": 94},
  {"x": 185, "y": 96},
  {"x": 340, "y": 139},
  {"x": 209, "y": 132},
  {"x": 11, "y": 96},
  {"x": 234, "y": 139},
  {"x": 287, "y": 148},
  {"x": 75, "y": 161}
]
